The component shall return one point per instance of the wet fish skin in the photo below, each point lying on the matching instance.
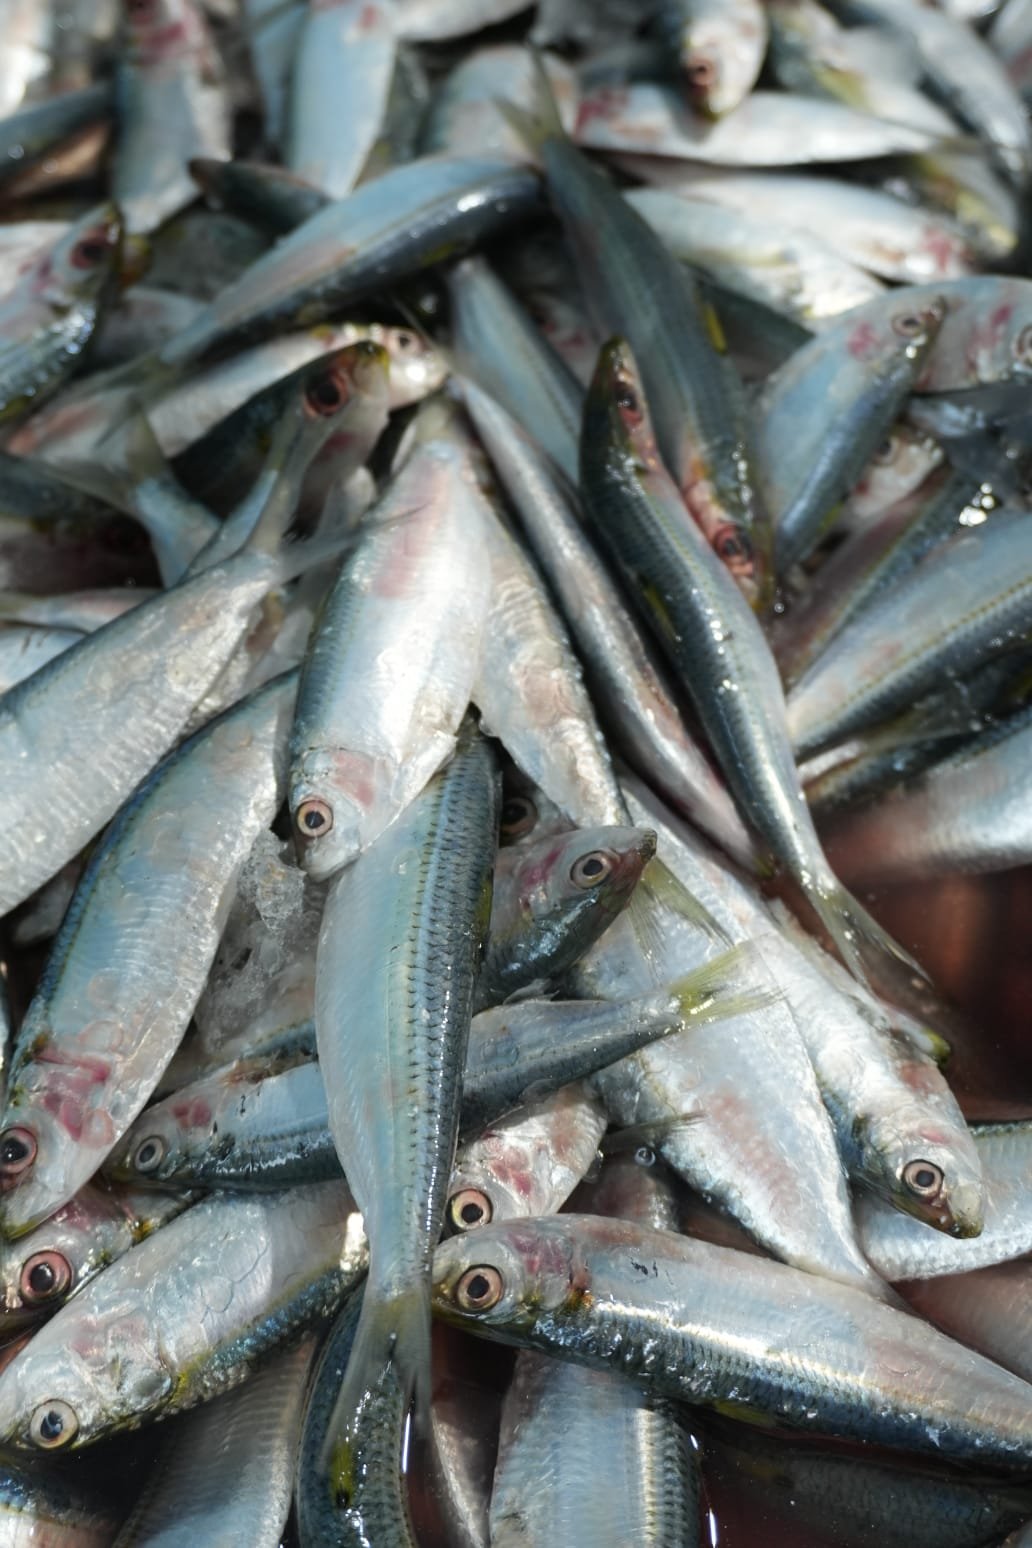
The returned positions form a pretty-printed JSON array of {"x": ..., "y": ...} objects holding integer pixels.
[
  {"x": 345, "y": 53},
  {"x": 173, "y": 106},
  {"x": 698, "y": 617},
  {"x": 49, "y": 315},
  {"x": 707, "y": 1325},
  {"x": 54, "y": 1262},
  {"x": 189, "y": 1323},
  {"x": 635, "y": 286},
  {"x": 626, "y": 680},
  {"x": 402, "y": 929},
  {"x": 107, "y": 1018},
  {"x": 45, "y": 1507},
  {"x": 259, "y": 191},
  {"x": 390, "y": 667},
  {"x": 28, "y": 135},
  {"x": 553, "y": 903},
  {"x": 384, "y": 231}
]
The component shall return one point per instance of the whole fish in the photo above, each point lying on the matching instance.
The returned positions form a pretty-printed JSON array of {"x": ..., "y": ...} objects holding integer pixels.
[
  {"x": 718, "y": 49},
  {"x": 391, "y": 664},
  {"x": 184, "y": 1316},
  {"x": 106, "y": 1019},
  {"x": 700, "y": 617},
  {"x": 707, "y": 1325},
  {"x": 395, "y": 972}
]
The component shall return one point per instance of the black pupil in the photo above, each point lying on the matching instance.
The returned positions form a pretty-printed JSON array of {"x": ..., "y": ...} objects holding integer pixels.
[
  {"x": 90, "y": 250},
  {"x": 51, "y": 1425},
  {"x": 925, "y": 1178},
  {"x": 513, "y": 812},
  {"x": 314, "y": 821},
  {"x": 326, "y": 394},
  {"x": 147, "y": 1153},
  {"x": 731, "y": 548},
  {"x": 592, "y": 866},
  {"x": 478, "y": 1288},
  {"x": 42, "y": 1278},
  {"x": 471, "y": 1213},
  {"x": 13, "y": 1150},
  {"x": 626, "y": 400},
  {"x": 404, "y": 341}
]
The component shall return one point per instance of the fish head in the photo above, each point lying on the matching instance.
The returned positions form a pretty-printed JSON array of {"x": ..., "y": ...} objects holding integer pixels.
[
  {"x": 40, "y": 1270},
  {"x": 336, "y": 802},
  {"x": 84, "y": 261},
  {"x": 164, "y": 1137},
  {"x": 417, "y": 367},
  {"x": 503, "y": 1279},
  {"x": 50, "y": 1146},
  {"x": 323, "y": 398},
  {"x": 617, "y": 398},
  {"x": 719, "y": 59},
  {"x": 935, "y": 1177},
  {"x": 85, "y": 1372}
]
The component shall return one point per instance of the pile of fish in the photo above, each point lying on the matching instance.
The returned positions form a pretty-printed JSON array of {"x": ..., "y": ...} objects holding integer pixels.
[{"x": 513, "y": 521}]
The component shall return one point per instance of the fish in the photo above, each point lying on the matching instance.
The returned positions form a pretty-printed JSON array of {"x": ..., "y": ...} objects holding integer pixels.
[
  {"x": 416, "y": 905},
  {"x": 698, "y": 615},
  {"x": 710, "y": 1326},
  {"x": 717, "y": 50},
  {"x": 106, "y": 1020},
  {"x": 344, "y": 53}
]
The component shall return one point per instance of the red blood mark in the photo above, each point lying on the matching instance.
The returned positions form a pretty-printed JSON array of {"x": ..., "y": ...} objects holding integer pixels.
[
  {"x": 401, "y": 574},
  {"x": 73, "y": 1077},
  {"x": 1002, "y": 316},
  {"x": 942, "y": 248},
  {"x": 192, "y": 1113},
  {"x": 355, "y": 773},
  {"x": 605, "y": 104},
  {"x": 93, "y": 1069},
  {"x": 534, "y": 873},
  {"x": 863, "y": 341},
  {"x": 369, "y": 19}
]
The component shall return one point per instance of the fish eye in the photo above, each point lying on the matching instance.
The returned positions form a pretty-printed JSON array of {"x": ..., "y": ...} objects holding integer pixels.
[
  {"x": 908, "y": 324},
  {"x": 314, "y": 818},
  {"x": 17, "y": 1151},
  {"x": 44, "y": 1276},
  {"x": 731, "y": 545},
  {"x": 90, "y": 249},
  {"x": 1023, "y": 345},
  {"x": 53, "y": 1424},
  {"x": 590, "y": 870},
  {"x": 404, "y": 340},
  {"x": 150, "y": 1153},
  {"x": 886, "y": 452},
  {"x": 469, "y": 1208},
  {"x": 518, "y": 816},
  {"x": 701, "y": 72},
  {"x": 326, "y": 395},
  {"x": 923, "y": 1178},
  {"x": 479, "y": 1288},
  {"x": 645, "y": 1155}
]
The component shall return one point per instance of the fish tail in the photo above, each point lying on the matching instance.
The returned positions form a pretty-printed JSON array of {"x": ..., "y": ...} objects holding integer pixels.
[
  {"x": 731, "y": 985},
  {"x": 865, "y": 947},
  {"x": 390, "y": 1354},
  {"x": 660, "y": 886}
]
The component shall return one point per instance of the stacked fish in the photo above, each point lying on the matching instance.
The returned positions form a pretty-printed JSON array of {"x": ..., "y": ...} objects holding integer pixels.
[{"x": 500, "y": 538}]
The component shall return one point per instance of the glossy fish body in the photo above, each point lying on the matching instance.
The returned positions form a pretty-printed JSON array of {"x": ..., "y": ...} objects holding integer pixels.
[
  {"x": 822, "y": 415},
  {"x": 390, "y": 666},
  {"x": 634, "y": 286},
  {"x": 226, "y": 1474},
  {"x": 38, "y": 128},
  {"x": 465, "y": 109},
  {"x": 186, "y": 1313},
  {"x": 711, "y": 637},
  {"x": 792, "y": 272},
  {"x": 345, "y": 53},
  {"x": 108, "y": 1017},
  {"x": 968, "y": 813},
  {"x": 496, "y": 344},
  {"x": 385, "y": 230},
  {"x": 174, "y": 105},
  {"x": 398, "y": 949},
  {"x": 24, "y": 648},
  {"x": 41, "y": 1508},
  {"x": 769, "y": 129},
  {"x": 53, "y": 1262},
  {"x": 707, "y": 1325},
  {"x": 628, "y": 683},
  {"x": 900, "y": 647},
  {"x": 989, "y": 1309}
]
